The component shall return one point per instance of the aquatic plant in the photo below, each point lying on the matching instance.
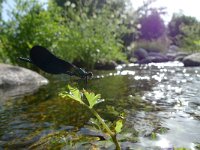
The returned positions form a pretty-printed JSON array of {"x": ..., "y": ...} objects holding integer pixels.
[{"x": 89, "y": 100}]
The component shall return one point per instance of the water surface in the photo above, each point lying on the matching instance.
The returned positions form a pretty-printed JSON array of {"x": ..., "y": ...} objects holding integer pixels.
[{"x": 161, "y": 99}]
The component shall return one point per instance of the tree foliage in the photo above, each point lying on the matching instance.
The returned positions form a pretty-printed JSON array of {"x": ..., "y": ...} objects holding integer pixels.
[
  {"x": 30, "y": 25},
  {"x": 184, "y": 31},
  {"x": 191, "y": 40},
  {"x": 152, "y": 26},
  {"x": 175, "y": 25},
  {"x": 68, "y": 32},
  {"x": 1, "y": 28}
]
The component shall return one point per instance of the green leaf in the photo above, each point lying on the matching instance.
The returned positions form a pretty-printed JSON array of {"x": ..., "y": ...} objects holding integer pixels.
[
  {"x": 153, "y": 136},
  {"x": 74, "y": 94},
  {"x": 119, "y": 125},
  {"x": 92, "y": 98}
]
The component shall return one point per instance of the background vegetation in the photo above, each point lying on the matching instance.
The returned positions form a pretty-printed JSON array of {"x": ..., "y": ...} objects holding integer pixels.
[
  {"x": 77, "y": 32},
  {"x": 184, "y": 31}
]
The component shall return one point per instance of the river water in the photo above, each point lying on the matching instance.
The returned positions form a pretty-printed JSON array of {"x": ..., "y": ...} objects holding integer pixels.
[{"x": 161, "y": 102}]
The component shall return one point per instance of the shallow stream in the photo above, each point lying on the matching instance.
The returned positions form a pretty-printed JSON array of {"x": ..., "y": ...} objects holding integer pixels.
[{"x": 161, "y": 103}]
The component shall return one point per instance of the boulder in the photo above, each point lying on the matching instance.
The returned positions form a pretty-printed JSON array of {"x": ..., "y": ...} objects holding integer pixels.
[
  {"x": 17, "y": 81},
  {"x": 173, "y": 52},
  {"x": 192, "y": 60},
  {"x": 14, "y": 75},
  {"x": 144, "y": 57},
  {"x": 180, "y": 56},
  {"x": 140, "y": 54},
  {"x": 154, "y": 57}
]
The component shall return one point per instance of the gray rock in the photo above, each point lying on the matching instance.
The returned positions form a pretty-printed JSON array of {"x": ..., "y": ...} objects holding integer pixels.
[
  {"x": 144, "y": 57},
  {"x": 175, "y": 53},
  {"x": 140, "y": 54},
  {"x": 180, "y": 56},
  {"x": 17, "y": 81},
  {"x": 153, "y": 59},
  {"x": 192, "y": 60},
  {"x": 14, "y": 75}
]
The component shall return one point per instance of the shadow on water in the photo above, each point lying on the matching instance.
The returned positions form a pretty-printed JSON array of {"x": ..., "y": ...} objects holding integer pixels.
[{"x": 161, "y": 103}]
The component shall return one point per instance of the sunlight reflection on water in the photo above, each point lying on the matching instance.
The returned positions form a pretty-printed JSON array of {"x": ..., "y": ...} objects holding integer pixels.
[
  {"x": 163, "y": 143},
  {"x": 177, "y": 91}
]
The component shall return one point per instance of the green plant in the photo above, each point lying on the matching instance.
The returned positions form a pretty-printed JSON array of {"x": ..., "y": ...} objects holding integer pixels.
[
  {"x": 184, "y": 31},
  {"x": 31, "y": 25},
  {"x": 94, "y": 37},
  {"x": 89, "y": 100},
  {"x": 153, "y": 136},
  {"x": 68, "y": 32},
  {"x": 191, "y": 39}
]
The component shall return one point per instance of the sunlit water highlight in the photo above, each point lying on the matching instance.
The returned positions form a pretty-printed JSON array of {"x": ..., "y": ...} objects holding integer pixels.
[{"x": 176, "y": 90}]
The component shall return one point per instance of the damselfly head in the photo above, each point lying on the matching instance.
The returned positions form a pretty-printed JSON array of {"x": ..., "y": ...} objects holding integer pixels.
[
  {"x": 82, "y": 73},
  {"x": 89, "y": 74}
]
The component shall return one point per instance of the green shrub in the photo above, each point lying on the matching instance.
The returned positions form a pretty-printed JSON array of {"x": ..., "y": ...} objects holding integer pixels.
[
  {"x": 174, "y": 27},
  {"x": 184, "y": 31},
  {"x": 93, "y": 38},
  {"x": 31, "y": 25},
  {"x": 191, "y": 38},
  {"x": 68, "y": 32}
]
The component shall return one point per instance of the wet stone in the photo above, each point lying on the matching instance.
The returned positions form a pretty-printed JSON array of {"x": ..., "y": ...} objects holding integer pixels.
[{"x": 17, "y": 81}]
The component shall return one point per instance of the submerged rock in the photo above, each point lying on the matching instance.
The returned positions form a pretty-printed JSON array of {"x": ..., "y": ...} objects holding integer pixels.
[
  {"x": 16, "y": 81},
  {"x": 192, "y": 60}
]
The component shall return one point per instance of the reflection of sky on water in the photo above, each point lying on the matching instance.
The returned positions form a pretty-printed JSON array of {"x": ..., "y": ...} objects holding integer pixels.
[
  {"x": 176, "y": 90},
  {"x": 183, "y": 130}
]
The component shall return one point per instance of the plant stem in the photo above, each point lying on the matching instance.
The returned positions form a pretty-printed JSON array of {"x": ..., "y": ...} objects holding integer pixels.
[
  {"x": 114, "y": 138},
  {"x": 112, "y": 134}
]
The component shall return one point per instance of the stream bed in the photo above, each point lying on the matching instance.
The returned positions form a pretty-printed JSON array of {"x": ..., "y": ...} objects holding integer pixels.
[{"x": 161, "y": 102}]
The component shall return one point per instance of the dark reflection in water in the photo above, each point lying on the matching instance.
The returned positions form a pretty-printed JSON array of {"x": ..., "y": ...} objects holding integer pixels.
[
  {"x": 157, "y": 98},
  {"x": 13, "y": 92}
]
